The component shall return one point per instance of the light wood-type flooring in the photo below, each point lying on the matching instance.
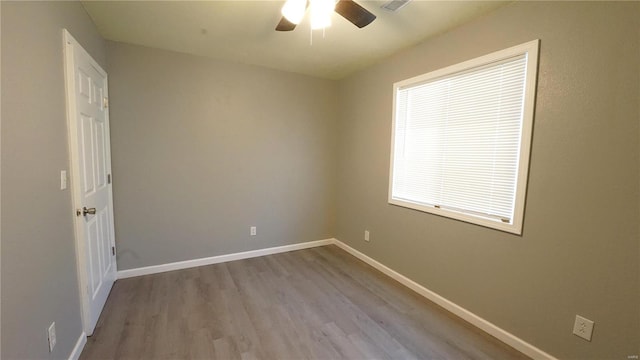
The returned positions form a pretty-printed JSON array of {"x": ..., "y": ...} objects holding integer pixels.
[{"x": 319, "y": 303}]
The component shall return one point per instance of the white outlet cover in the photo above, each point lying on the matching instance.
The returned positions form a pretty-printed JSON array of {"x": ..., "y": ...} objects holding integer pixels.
[
  {"x": 253, "y": 231},
  {"x": 63, "y": 179},
  {"x": 366, "y": 235},
  {"x": 51, "y": 332},
  {"x": 583, "y": 328}
]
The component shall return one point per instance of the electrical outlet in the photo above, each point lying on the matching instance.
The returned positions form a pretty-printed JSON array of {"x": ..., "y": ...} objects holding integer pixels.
[
  {"x": 253, "y": 231},
  {"x": 583, "y": 327},
  {"x": 366, "y": 235},
  {"x": 52, "y": 336}
]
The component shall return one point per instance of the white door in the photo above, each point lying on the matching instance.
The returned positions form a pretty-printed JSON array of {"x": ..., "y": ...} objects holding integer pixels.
[{"x": 88, "y": 120}]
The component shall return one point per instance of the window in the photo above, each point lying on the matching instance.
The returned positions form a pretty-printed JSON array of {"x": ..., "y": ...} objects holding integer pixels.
[{"x": 461, "y": 139}]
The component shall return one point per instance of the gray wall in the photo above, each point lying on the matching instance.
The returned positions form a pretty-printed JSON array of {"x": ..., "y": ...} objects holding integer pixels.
[
  {"x": 204, "y": 149},
  {"x": 38, "y": 256},
  {"x": 579, "y": 250}
]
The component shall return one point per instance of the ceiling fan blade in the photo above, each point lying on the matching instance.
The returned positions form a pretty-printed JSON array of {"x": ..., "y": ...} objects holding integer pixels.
[
  {"x": 285, "y": 25},
  {"x": 355, "y": 13}
]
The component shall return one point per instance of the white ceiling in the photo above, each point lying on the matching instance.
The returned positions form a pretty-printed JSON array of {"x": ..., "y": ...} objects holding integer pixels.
[{"x": 243, "y": 31}]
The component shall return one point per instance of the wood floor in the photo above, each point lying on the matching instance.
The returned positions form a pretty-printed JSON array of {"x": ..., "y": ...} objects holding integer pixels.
[{"x": 318, "y": 303}]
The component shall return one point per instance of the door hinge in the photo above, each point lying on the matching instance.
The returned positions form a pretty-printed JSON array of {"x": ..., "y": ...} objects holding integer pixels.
[
  {"x": 106, "y": 102},
  {"x": 108, "y": 178},
  {"x": 113, "y": 250}
]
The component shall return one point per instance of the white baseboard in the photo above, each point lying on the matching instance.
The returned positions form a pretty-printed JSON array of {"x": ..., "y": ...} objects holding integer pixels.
[
  {"x": 122, "y": 274},
  {"x": 484, "y": 325},
  {"x": 77, "y": 350}
]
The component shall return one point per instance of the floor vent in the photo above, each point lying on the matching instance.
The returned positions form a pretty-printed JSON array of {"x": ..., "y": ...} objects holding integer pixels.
[{"x": 394, "y": 5}]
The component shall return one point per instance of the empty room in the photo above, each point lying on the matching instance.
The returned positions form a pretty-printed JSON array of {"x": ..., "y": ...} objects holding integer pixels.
[{"x": 320, "y": 179}]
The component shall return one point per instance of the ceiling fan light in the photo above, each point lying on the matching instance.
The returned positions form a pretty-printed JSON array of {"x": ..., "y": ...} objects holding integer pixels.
[
  {"x": 293, "y": 10},
  {"x": 321, "y": 11},
  {"x": 320, "y": 22}
]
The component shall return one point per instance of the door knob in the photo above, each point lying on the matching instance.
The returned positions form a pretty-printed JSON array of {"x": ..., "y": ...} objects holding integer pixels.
[{"x": 86, "y": 211}]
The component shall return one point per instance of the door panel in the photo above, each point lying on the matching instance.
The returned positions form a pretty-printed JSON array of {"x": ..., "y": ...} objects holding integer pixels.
[
  {"x": 84, "y": 85},
  {"x": 100, "y": 156},
  {"x": 94, "y": 267},
  {"x": 86, "y": 152}
]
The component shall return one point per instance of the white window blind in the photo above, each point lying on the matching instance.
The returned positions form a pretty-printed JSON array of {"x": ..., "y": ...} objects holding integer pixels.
[{"x": 457, "y": 140}]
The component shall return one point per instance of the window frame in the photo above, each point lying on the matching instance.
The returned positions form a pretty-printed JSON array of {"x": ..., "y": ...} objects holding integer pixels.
[{"x": 531, "y": 50}]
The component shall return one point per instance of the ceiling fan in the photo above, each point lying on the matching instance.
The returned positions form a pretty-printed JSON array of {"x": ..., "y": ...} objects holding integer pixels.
[{"x": 293, "y": 11}]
